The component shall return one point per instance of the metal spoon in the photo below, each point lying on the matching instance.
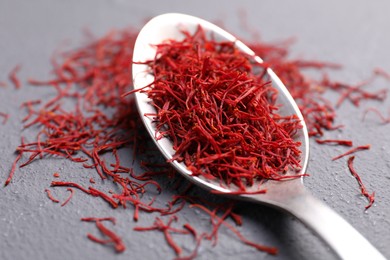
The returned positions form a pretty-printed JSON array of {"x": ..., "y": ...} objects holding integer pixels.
[{"x": 290, "y": 196}]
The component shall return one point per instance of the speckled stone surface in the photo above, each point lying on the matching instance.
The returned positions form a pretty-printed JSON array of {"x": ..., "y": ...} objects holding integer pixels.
[{"x": 353, "y": 33}]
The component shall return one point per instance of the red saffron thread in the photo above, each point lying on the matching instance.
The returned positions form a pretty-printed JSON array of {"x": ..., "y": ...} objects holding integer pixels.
[
  {"x": 385, "y": 120},
  {"x": 14, "y": 78},
  {"x": 69, "y": 184},
  {"x": 365, "y": 193},
  {"x": 166, "y": 229},
  {"x": 11, "y": 174},
  {"x": 93, "y": 219},
  {"x": 382, "y": 72},
  {"x": 104, "y": 196},
  {"x": 353, "y": 150},
  {"x": 113, "y": 238},
  {"x": 220, "y": 221},
  {"x": 118, "y": 243},
  {"x": 70, "y": 196},
  {"x": 334, "y": 141},
  {"x": 236, "y": 218},
  {"x": 51, "y": 197},
  {"x": 30, "y": 110}
]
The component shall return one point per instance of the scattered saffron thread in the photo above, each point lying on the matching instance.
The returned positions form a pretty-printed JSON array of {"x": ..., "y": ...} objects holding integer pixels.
[
  {"x": 167, "y": 229},
  {"x": 385, "y": 120},
  {"x": 382, "y": 72},
  {"x": 113, "y": 238},
  {"x": 365, "y": 193},
  {"x": 217, "y": 221},
  {"x": 334, "y": 141},
  {"x": 11, "y": 174},
  {"x": 50, "y": 196},
  {"x": 13, "y": 77},
  {"x": 353, "y": 150},
  {"x": 70, "y": 196}
]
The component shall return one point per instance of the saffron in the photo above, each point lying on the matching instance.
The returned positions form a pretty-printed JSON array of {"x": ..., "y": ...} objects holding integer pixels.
[
  {"x": 113, "y": 238},
  {"x": 334, "y": 141},
  {"x": 365, "y": 193},
  {"x": 70, "y": 196},
  {"x": 13, "y": 77},
  {"x": 385, "y": 120},
  {"x": 51, "y": 196},
  {"x": 353, "y": 150},
  {"x": 96, "y": 76},
  {"x": 219, "y": 113}
]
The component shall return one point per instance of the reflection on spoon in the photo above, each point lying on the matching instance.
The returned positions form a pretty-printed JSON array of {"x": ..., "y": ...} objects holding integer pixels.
[{"x": 290, "y": 195}]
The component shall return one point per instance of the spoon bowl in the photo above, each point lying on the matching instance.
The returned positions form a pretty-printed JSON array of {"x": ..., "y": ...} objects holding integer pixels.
[
  {"x": 289, "y": 195},
  {"x": 170, "y": 26}
]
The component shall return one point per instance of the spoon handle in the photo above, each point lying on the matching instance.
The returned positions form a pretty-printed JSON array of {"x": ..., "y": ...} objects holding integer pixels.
[{"x": 344, "y": 239}]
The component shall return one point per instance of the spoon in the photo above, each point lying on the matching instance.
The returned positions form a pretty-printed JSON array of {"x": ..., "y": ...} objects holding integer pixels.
[{"x": 290, "y": 196}]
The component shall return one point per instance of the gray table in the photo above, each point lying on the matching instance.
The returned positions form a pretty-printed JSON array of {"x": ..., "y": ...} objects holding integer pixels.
[{"x": 353, "y": 33}]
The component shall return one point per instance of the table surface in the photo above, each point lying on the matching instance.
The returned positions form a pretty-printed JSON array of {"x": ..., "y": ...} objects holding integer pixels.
[{"x": 353, "y": 33}]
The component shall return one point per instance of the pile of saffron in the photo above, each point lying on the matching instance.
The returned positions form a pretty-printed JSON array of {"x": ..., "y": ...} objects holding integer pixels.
[
  {"x": 100, "y": 123},
  {"x": 219, "y": 109}
]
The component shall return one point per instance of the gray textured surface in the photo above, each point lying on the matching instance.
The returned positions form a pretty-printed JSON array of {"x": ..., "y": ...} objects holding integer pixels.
[{"x": 354, "y": 33}]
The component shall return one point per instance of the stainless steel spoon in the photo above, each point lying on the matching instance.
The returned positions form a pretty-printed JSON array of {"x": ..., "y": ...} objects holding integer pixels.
[{"x": 290, "y": 196}]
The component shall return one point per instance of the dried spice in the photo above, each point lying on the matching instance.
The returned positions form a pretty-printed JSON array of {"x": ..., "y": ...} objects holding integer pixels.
[
  {"x": 100, "y": 123},
  {"x": 353, "y": 150},
  {"x": 219, "y": 109},
  {"x": 13, "y": 77},
  {"x": 365, "y": 193},
  {"x": 113, "y": 238},
  {"x": 70, "y": 196},
  {"x": 335, "y": 141}
]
